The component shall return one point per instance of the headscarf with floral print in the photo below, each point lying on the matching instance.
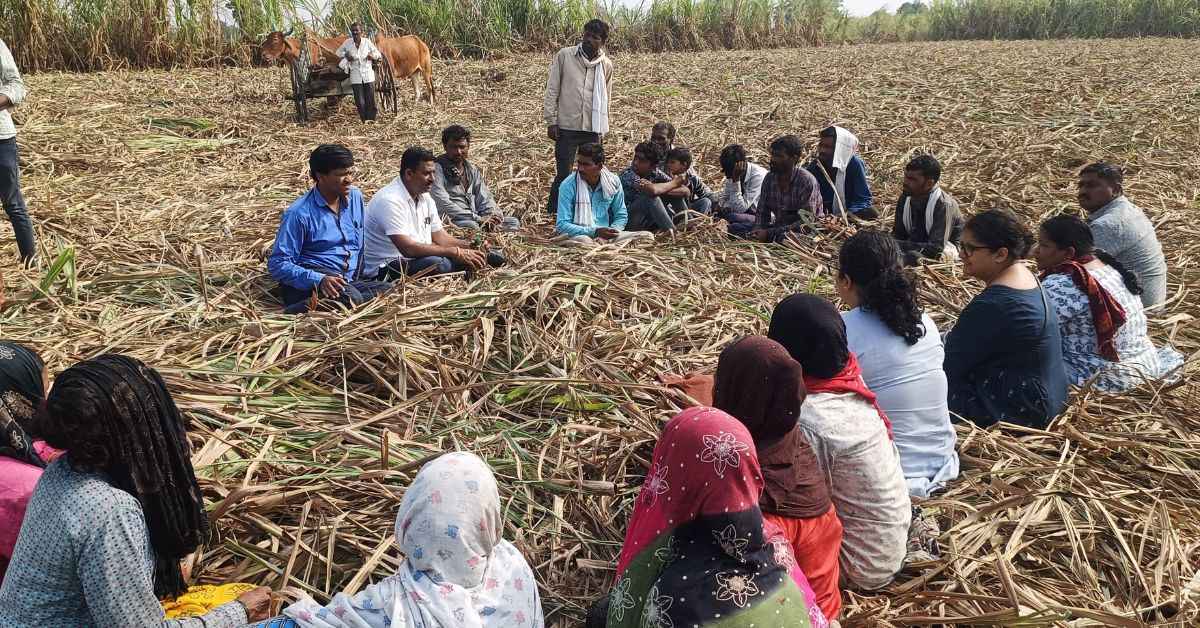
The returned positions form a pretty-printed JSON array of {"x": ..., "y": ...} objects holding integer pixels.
[
  {"x": 457, "y": 570},
  {"x": 21, "y": 392},
  {"x": 697, "y": 551}
]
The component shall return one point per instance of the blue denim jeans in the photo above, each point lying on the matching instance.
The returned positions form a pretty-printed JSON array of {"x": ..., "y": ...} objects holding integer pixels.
[
  {"x": 13, "y": 201},
  {"x": 295, "y": 300}
]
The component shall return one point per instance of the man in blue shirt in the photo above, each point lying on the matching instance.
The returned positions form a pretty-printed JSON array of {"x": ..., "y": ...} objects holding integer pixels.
[
  {"x": 841, "y": 172},
  {"x": 318, "y": 249},
  {"x": 591, "y": 203}
]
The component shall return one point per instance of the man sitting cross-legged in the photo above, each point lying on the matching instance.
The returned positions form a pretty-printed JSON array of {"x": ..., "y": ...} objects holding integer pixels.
[
  {"x": 459, "y": 190},
  {"x": 700, "y": 197},
  {"x": 737, "y": 203},
  {"x": 649, "y": 192},
  {"x": 318, "y": 248},
  {"x": 790, "y": 197},
  {"x": 404, "y": 233},
  {"x": 591, "y": 203}
]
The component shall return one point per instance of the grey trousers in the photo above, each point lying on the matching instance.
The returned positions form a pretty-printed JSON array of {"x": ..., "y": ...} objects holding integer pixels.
[
  {"x": 564, "y": 160},
  {"x": 649, "y": 213}
]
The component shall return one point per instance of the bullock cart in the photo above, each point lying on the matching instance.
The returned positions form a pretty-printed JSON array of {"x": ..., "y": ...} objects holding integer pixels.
[{"x": 324, "y": 79}]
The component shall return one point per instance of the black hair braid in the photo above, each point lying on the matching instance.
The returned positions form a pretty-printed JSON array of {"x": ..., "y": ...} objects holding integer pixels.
[
  {"x": 1131, "y": 280},
  {"x": 146, "y": 454},
  {"x": 871, "y": 259}
]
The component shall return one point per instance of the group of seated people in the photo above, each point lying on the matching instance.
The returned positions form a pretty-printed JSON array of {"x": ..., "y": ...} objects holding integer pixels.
[
  {"x": 791, "y": 479},
  {"x": 333, "y": 247},
  {"x": 97, "y": 478}
]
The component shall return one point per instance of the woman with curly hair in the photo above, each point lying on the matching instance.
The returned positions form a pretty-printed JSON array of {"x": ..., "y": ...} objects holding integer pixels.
[
  {"x": 1004, "y": 358},
  {"x": 111, "y": 518},
  {"x": 901, "y": 355}
]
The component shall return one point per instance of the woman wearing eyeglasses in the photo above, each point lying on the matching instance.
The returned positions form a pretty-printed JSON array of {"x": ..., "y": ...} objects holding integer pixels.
[{"x": 1004, "y": 356}]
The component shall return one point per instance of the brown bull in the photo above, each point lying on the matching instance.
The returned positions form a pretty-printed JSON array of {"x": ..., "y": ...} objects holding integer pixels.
[
  {"x": 409, "y": 55},
  {"x": 323, "y": 50}
]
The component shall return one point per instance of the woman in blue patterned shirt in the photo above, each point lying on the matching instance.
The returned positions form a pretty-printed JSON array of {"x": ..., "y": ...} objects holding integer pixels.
[{"x": 110, "y": 520}]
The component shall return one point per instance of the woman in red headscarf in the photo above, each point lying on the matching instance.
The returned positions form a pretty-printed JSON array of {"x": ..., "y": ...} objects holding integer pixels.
[{"x": 697, "y": 550}]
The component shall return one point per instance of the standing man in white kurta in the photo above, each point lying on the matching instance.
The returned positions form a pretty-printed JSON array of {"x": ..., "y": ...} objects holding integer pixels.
[
  {"x": 356, "y": 55},
  {"x": 576, "y": 104}
]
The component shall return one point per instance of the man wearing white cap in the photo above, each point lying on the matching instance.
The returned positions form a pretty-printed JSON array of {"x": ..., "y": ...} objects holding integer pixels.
[{"x": 842, "y": 175}]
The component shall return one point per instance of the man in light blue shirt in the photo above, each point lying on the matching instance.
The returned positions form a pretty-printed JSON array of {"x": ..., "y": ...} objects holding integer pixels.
[
  {"x": 318, "y": 249},
  {"x": 595, "y": 214}
]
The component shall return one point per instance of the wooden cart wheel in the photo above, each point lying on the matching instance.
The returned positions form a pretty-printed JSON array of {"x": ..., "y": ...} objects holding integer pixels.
[
  {"x": 299, "y": 95},
  {"x": 385, "y": 87}
]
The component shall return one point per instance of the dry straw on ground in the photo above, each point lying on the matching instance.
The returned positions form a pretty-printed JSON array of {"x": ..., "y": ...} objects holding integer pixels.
[{"x": 167, "y": 188}]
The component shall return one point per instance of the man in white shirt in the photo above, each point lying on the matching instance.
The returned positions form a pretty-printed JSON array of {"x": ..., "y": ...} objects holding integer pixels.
[
  {"x": 356, "y": 55},
  {"x": 738, "y": 202},
  {"x": 12, "y": 93},
  {"x": 404, "y": 232}
]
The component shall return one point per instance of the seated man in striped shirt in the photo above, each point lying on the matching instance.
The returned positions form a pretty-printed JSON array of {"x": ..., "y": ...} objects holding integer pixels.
[{"x": 790, "y": 199}]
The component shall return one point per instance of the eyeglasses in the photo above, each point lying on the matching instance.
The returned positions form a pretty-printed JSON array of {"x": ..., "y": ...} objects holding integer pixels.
[{"x": 969, "y": 249}]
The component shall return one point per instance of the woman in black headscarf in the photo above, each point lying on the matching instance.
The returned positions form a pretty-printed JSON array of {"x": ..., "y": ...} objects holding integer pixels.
[
  {"x": 852, "y": 439},
  {"x": 22, "y": 388}
]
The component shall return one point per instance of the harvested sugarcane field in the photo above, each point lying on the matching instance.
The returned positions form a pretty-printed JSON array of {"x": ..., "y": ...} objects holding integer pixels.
[{"x": 156, "y": 196}]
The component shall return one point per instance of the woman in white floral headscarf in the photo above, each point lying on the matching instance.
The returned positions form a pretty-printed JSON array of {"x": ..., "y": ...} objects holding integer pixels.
[{"x": 457, "y": 570}]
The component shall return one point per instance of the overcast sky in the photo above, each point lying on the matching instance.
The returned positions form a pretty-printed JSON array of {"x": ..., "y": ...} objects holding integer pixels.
[{"x": 867, "y": 7}]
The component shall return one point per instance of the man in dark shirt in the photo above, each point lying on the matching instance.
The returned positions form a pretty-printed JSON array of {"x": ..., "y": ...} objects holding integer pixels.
[
  {"x": 928, "y": 221},
  {"x": 791, "y": 199},
  {"x": 842, "y": 174},
  {"x": 700, "y": 198},
  {"x": 649, "y": 192}
]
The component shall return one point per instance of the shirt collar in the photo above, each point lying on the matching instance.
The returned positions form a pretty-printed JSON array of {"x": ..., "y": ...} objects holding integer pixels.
[
  {"x": 319, "y": 201},
  {"x": 407, "y": 197},
  {"x": 1110, "y": 207}
]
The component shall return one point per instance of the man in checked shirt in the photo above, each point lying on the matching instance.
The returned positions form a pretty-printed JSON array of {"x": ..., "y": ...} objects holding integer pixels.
[{"x": 791, "y": 198}]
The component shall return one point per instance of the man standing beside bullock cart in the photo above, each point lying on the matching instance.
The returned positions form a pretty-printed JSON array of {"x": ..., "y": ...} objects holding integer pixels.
[
  {"x": 356, "y": 55},
  {"x": 577, "y": 96}
]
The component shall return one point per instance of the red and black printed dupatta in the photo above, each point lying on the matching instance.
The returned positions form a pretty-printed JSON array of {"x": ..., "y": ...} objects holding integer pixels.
[{"x": 697, "y": 551}]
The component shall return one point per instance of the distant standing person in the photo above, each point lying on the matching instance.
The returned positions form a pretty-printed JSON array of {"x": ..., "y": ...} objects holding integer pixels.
[
  {"x": 576, "y": 105},
  {"x": 356, "y": 55},
  {"x": 928, "y": 223},
  {"x": 1122, "y": 229},
  {"x": 12, "y": 93}
]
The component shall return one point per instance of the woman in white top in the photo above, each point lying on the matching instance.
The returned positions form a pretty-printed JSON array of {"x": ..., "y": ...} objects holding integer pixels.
[
  {"x": 900, "y": 351},
  {"x": 851, "y": 437},
  {"x": 355, "y": 56},
  {"x": 1100, "y": 316}
]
